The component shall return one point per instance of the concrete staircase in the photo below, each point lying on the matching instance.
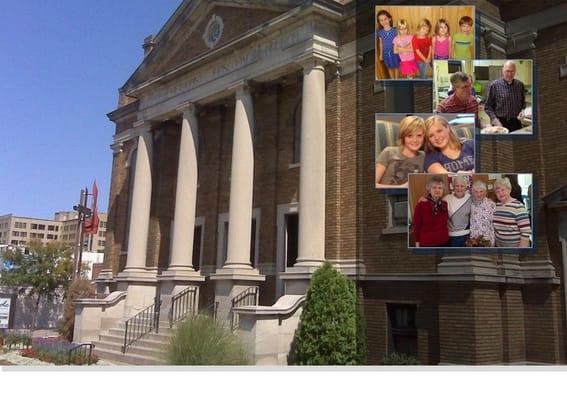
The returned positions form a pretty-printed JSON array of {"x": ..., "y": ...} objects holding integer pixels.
[{"x": 150, "y": 350}]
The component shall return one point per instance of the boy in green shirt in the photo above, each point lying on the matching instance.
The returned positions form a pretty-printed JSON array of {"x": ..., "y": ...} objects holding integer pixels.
[{"x": 463, "y": 41}]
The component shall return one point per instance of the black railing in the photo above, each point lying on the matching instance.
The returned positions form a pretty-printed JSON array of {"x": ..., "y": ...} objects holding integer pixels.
[
  {"x": 183, "y": 304},
  {"x": 80, "y": 354},
  {"x": 210, "y": 309},
  {"x": 248, "y": 297},
  {"x": 141, "y": 324}
]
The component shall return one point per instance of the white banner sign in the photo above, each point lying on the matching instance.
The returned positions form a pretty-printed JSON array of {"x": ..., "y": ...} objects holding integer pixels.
[{"x": 5, "y": 311}]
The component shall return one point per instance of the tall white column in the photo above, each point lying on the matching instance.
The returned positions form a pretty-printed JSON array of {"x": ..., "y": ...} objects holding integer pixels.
[
  {"x": 140, "y": 208},
  {"x": 186, "y": 194},
  {"x": 241, "y": 182},
  {"x": 311, "y": 246},
  {"x": 237, "y": 273}
]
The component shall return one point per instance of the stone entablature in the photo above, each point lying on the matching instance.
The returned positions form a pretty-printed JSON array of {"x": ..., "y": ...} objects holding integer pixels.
[{"x": 197, "y": 81}]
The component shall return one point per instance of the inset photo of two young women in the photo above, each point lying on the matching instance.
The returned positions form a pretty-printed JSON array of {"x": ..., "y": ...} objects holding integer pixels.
[
  {"x": 470, "y": 210},
  {"x": 409, "y": 38},
  {"x": 422, "y": 143}
]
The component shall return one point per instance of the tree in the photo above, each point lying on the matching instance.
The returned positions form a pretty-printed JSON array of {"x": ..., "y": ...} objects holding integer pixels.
[
  {"x": 79, "y": 289},
  {"x": 328, "y": 332},
  {"x": 40, "y": 273}
]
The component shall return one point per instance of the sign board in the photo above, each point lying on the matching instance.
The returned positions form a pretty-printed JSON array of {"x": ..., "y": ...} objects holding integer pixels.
[{"x": 7, "y": 303}]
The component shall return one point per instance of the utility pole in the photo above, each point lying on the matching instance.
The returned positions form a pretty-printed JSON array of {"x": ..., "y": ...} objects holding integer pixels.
[{"x": 83, "y": 212}]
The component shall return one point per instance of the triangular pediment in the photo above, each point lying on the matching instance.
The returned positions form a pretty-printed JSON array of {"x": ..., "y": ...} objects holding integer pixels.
[{"x": 198, "y": 27}]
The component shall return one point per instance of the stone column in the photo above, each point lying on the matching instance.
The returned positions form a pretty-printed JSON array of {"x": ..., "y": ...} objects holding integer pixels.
[
  {"x": 237, "y": 273},
  {"x": 180, "y": 273},
  {"x": 140, "y": 206},
  {"x": 137, "y": 279},
  {"x": 311, "y": 250},
  {"x": 241, "y": 182}
]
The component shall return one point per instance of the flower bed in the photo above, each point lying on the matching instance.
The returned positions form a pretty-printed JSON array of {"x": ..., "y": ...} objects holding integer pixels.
[{"x": 59, "y": 352}]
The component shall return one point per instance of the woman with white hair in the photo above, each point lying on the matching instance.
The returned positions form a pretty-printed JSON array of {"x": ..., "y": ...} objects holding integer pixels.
[
  {"x": 430, "y": 216},
  {"x": 482, "y": 212},
  {"x": 511, "y": 220},
  {"x": 459, "y": 207}
]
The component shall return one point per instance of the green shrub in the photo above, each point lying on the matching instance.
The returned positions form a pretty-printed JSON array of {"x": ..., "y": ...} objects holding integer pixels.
[
  {"x": 399, "y": 359},
  {"x": 201, "y": 340},
  {"x": 328, "y": 332}
]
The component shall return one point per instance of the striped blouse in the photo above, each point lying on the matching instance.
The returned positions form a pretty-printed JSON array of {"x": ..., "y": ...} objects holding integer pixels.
[{"x": 511, "y": 222}]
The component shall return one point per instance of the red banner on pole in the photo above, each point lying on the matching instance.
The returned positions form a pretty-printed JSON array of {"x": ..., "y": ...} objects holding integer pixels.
[{"x": 90, "y": 226}]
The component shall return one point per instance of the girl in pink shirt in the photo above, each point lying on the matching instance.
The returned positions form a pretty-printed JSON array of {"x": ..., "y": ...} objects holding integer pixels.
[
  {"x": 403, "y": 47},
  {"x": 442, "y": 41}
]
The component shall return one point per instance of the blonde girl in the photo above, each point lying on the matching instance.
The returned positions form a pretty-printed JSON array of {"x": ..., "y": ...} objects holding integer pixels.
[
  {"x": 395, "y": 162},
  {"x": 403, "y": 47},
  {"x": 444, "y": 152}
]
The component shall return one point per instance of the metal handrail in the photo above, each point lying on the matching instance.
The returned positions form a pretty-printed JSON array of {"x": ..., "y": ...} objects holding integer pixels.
[
  {"x": 85, "y": 349},
  {"x": 141, "y": 324},
  {"x": 248, "y": 297},
  {"x": 183, "y": 304},
  {"x": 210, "y": 309}
]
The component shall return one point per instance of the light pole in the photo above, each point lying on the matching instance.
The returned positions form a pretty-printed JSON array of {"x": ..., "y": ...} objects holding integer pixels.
[{"x": 83, "y": 212}]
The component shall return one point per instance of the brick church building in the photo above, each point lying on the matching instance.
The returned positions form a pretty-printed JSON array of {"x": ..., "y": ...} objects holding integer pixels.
[{"x": 244, "y": 157}]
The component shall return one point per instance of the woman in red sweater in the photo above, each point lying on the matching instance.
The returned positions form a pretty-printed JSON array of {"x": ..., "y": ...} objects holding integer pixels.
[{"x": 430, "y": 217}]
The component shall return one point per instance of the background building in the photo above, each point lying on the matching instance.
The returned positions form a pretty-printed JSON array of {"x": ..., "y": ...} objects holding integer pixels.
[{"x": 19, "y": 231}]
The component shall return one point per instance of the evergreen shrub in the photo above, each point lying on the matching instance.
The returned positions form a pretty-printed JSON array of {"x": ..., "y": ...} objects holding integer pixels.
[{"x": 328, "y": 332}]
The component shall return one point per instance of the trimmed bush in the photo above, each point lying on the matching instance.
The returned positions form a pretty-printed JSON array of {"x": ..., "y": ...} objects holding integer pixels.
[
  {"x": 201, "y": 340},
  {"x": 328, "y": 331}
]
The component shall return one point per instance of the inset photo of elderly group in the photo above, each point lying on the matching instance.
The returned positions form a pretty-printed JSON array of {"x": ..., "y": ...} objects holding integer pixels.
[
  {"x": 470, "y": 210},
  {"x": 499, "y": 92},
  {"x": 408, "y": 38},
  {"x": 419, "y": 143}
]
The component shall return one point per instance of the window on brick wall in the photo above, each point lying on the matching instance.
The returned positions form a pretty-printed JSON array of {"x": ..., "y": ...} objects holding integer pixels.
[
  {"x": 397, "y": 214},
  {"x": 402, "y": 329},
  {"x": 291, "y": 238},
  {"x": 197, "y": 238},
  {"x": 297, "y": 133},
  {"x": 131, "y": 165}
]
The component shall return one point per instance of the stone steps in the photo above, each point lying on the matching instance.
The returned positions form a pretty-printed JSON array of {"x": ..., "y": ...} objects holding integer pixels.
[{"x": 149, "y": 350}]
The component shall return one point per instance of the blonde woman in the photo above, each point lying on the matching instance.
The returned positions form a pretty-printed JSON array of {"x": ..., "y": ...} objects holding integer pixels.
[
  {"x": 444, "y": 152},
  {"x": 395, "y": 162}
]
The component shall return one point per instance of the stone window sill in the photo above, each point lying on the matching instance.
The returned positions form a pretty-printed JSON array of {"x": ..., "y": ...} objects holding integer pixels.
[{"x": 395, "y": 230}]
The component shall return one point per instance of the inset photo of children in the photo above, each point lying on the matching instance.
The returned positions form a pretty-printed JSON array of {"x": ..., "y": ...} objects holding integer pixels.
[
  {"x": 498, "y": 91},
  {"x": 470, "y": 210},
  {"x": 408, "y": 38},
  {"x": 416, "y": 143}
]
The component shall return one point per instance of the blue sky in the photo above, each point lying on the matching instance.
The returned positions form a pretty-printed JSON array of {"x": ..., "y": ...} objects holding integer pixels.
[{"x": 61, "y": 65}]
